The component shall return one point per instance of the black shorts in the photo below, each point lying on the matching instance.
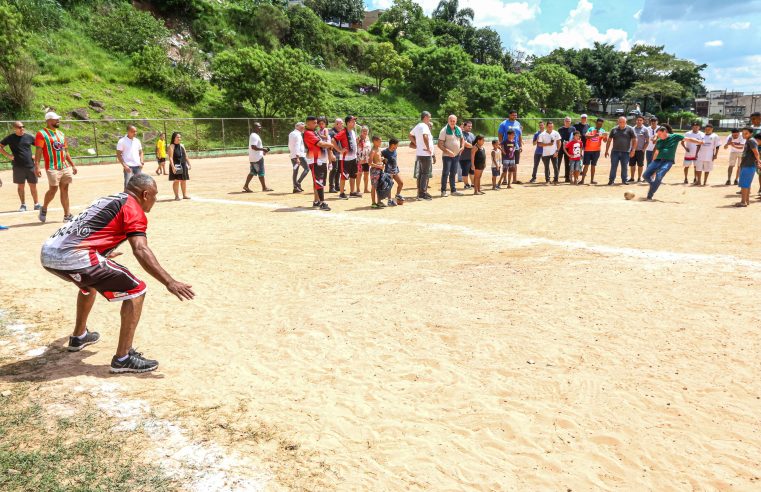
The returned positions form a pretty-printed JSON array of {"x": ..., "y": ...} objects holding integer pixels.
[
  {"x": 638, "y": 159},
  {"x": 161, "y": 160},
  {"x": 319, "y": 174},
  {"x": 466, "y": 169},
  {"x": 517, "y": 156},
  {"x": 349, "y": 169},
  {"x": 591, "y": 157},
  {"x": 110, "y": 279},
  {"x": 23, "y": 175},
  {"x": 365, "y": 167}
]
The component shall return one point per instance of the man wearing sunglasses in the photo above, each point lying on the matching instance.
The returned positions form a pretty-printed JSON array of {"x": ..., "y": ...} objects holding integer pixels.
[{"x": 21, "y": 144}]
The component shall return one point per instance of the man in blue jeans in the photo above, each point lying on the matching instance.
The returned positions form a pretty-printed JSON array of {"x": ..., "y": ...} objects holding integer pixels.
[
  {"x": 666, "y": 143},
  {"x": 451, "y": 143},
  {"x": 623, "y": 139}
]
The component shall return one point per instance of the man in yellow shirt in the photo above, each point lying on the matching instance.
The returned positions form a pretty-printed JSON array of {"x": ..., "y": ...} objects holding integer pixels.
[{"x": 161, "y": 153}]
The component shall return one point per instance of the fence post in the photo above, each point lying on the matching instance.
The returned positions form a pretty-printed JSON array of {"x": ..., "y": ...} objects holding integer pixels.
[
  {"x": 198, "y": 142},
  {"x": 95, "y": 138},
  {"x": 165, "y": 134},
  {"x": 272, "y": 127},
  {"x": 223, "y": 133}
]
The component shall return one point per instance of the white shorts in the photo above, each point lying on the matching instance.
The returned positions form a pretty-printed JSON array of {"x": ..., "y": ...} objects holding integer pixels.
[
  {"x": 735, "y": 158},
  {"x": 704, "y": 166},
  {"x": 689, "y": 162}
]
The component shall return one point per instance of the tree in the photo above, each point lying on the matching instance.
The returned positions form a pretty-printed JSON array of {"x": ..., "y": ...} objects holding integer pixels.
[
  {"x": 485, "y": 46},
  {"x": 266, "y": 24},
  {"x": 15, "y": 69},
  {"x": 655, "y": 67},
  {"x": 449, "y": 11},
  {"x": 435, "y": 71},
  {"x": 339, "y": 11},
  {"x": 566, "y": 90},
  {"x": 608, "y": 72},
  {"x": 456, "y": 104},
  {"x": 403, "y": 20},
  {"x": 658, "y": 90},
  {"x": 385, "y": 63},
  {"x": 524, "y": 92},
  {"x": 269, "y": 82},
  {"x": 305, "y": 28},
  {"x": 111, "y": 29},
  {"x": 485, "y": 89}
]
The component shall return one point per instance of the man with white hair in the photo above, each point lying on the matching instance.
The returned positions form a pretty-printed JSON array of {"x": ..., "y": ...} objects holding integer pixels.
[
  {"x": 298, "y": 155},
  {"x": 451, "y": 143},
  {"x": 60, "y": 169}
]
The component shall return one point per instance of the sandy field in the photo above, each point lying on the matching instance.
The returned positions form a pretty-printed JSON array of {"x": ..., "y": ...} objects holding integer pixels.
[{"x": 539, "y": 338}]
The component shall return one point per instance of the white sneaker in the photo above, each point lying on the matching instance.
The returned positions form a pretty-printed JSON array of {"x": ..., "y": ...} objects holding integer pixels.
[
  {"x": 22, "y": 208},
  {"x": 444, "y": 194},
  {"x": 456, "y": 193}
]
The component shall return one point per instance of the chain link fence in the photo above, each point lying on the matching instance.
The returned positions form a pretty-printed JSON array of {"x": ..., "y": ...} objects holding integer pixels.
[{"x": 94, "y": 141}]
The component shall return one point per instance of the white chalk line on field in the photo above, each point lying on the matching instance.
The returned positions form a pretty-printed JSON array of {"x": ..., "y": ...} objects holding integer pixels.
[{"x": 514, "y": 240}]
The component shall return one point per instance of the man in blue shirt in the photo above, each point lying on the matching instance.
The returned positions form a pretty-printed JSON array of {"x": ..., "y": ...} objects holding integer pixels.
[{"x": 512, "y": 123}]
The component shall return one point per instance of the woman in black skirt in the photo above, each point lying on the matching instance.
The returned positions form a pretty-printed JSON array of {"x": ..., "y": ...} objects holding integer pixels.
[{"x": 179, "y": 165}]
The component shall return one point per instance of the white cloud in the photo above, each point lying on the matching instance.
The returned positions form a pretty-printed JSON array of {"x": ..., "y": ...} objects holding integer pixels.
[
  {"x": 578, "y": 32},
  {"x": 714, "y": 44},
  {"x": 638, "y": 14},
  {"x": 739, "y": 26},
  {"x": 492, "y": 12}
]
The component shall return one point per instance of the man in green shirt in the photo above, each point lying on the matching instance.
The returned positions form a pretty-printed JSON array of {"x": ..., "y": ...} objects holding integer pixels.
[{"x": 663, "y": 158}]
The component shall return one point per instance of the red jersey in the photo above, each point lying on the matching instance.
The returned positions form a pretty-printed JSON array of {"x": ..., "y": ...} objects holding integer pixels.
[
  {"x": 574, "y": 149},
  {"x": 53, "y": 145},
  {"x": 311, "y": 139},
  {"x": 93, "y": 234}
]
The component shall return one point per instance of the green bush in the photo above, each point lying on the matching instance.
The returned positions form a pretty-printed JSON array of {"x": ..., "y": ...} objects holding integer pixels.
[
  {"x": 121, "y": 28},
  {"x": 40, "y": 15},
  {"x": 183, "y": 82}
]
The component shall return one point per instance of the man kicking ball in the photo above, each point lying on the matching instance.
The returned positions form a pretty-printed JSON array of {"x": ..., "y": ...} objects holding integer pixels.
[
  {"x": 666, "y": 144},
  {"x": 80, "y": 252}
]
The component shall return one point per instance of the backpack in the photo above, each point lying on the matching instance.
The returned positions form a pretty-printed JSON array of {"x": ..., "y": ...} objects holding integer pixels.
[{"x": 385, "y": 184}]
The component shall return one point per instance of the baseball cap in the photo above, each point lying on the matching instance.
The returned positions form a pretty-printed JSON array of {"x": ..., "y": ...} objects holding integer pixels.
[
  {"x": 583, "y": 116},
  {"x": 51, "y": 115}
]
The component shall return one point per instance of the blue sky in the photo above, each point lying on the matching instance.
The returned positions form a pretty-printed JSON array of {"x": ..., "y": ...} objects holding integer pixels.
[{"x": 724, "y": 34}]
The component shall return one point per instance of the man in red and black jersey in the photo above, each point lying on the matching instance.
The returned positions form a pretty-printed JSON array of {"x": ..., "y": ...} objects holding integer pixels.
[
  {"x": 81, "y": 252},
  {"x": 317, "y": 157}
]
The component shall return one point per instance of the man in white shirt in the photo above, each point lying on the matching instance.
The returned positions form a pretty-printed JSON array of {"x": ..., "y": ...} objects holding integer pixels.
[
  {"x": 256, "y": 153},
  {"x": 451, "y": 143},
  {"x": 707, "y": 154},
  {"x": 549, "y": 141},
  {"x": 129, "y": 153},
  {"x": 644, "y": 136},
  {"x": 422, "y": 138},
  {"x": 298, "y": 154},
  {"x": 691, "y": 150},
  {"x": 736, "y": 144},
  {"x": 651, "y": 144}
]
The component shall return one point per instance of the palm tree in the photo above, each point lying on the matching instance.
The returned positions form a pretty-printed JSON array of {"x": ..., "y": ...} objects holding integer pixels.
[{"x": 449, "y": 11}]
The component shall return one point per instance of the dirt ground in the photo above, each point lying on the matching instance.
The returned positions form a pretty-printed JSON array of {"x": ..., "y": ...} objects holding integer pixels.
[{"x": 535, "y": 338}]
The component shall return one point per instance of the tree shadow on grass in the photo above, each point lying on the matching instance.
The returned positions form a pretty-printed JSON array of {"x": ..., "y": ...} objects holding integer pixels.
[{"x": 58, "y": 363}]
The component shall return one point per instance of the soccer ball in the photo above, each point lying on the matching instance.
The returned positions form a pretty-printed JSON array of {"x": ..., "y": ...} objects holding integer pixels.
[{"x": 628, "y": 195}]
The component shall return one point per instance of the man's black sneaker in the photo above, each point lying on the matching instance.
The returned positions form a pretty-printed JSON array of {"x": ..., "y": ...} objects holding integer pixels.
[
  {"x": 355, "y": 194},
  {"x": 332, "y": 190},
  {"x": 315, "y": 204},
  {"x": 343, "y": 196},
  {"x": 76, "y": 344},
  {"x": 532, "y": 180},
  {"x": 68, "y": 218},
  {"x": 296, "y": 190},
  {"x": 324, "y": 206},
  {"x": 135, "y": 362},
  {"x": 427, "y": 197}
]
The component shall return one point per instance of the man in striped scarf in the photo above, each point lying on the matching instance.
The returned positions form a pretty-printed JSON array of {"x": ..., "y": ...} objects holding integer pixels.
[{"x": 60, "y": 169}]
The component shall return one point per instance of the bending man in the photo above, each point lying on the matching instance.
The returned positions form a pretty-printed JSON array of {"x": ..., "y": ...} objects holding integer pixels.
[{"x": 80, "y": 252}]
